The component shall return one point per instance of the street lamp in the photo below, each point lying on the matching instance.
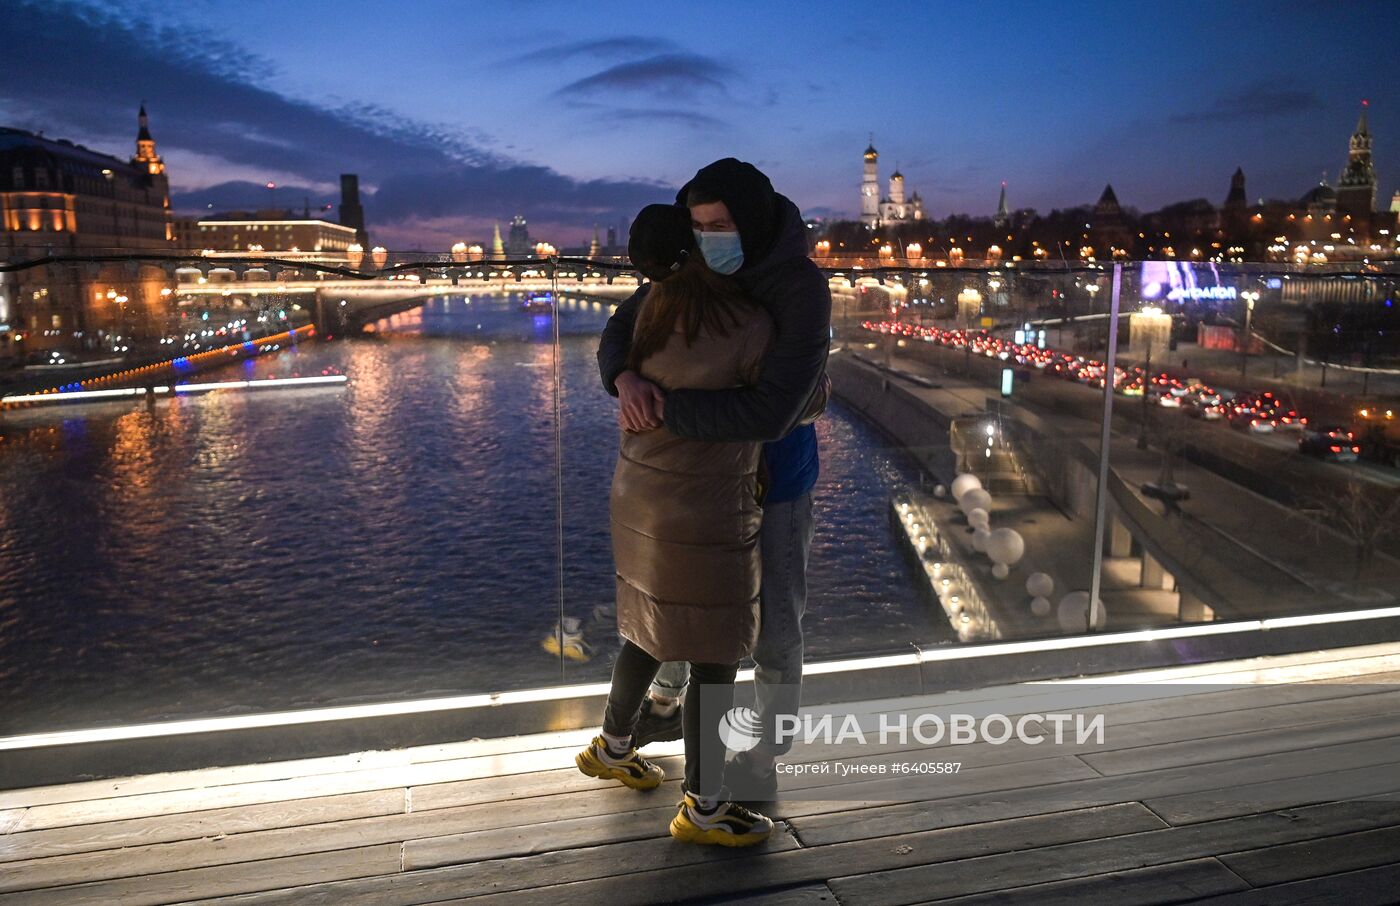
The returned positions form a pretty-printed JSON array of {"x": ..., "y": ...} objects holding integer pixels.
[
  {"x": 1250, "y": 297},
  {"x": 1093, "y": 290}
]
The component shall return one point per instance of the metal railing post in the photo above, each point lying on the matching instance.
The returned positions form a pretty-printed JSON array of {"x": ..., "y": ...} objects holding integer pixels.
[{"x": 1101, "y": 497}]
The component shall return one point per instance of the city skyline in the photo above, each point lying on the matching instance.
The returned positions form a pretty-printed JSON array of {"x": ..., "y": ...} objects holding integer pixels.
[{"x": 607, "y": 118}]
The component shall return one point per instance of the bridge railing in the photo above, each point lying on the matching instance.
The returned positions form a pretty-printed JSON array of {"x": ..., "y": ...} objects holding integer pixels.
[{"x": 1148, "y": 452}]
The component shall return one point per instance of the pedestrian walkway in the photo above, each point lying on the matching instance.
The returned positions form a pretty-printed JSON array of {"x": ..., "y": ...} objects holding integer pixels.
[{"x": 1198, "y": 794}]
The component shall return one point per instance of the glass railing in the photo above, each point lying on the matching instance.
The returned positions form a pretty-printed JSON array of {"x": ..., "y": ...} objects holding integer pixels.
[{"x": 240, "y": 486}]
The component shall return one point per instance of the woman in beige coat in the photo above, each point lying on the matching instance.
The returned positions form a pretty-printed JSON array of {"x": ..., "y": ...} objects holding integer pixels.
[{"x": 685, "y": 525}]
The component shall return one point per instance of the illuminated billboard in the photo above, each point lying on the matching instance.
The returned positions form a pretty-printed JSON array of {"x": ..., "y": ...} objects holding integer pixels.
[{"x": 1183, "y": 281}]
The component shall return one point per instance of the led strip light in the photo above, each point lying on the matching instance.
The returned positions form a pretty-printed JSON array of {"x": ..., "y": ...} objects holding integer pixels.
[
  {"x": 561, "y": 693},
  {"x": 78, "y": 395}
]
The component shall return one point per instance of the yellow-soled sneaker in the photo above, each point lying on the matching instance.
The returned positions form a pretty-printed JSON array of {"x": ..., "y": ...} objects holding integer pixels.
[
  {"x": 728, "y": 824},
  {"x": 571, "y": 646},
  {"x": 630, "y": 770}
]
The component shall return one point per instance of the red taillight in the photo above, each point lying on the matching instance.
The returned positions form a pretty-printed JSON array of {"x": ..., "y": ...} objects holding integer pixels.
[
  {"x": 1336, "y": 449},
  {"x": 1356, "y": 449}
]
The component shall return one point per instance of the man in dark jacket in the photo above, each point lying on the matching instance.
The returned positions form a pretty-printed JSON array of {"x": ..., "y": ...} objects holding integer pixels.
[{"x": 745, "y": 228}]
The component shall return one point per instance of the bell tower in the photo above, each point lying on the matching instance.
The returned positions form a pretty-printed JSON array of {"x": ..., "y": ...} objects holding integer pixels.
[
  {"x": 870, "y": 188},
  {"x": 146, "y": 154},
  {"x": 1356, "y": 188}
]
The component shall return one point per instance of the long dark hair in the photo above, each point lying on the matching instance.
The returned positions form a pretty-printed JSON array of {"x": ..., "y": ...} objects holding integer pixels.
[{"x": 693, "y": 296}]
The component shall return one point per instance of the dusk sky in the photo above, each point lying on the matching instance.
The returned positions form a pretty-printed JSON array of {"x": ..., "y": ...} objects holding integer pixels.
[{"x": 457, "y": 115}]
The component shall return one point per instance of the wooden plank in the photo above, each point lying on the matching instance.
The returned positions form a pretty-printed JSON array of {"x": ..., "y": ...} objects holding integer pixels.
[
  {"x": 814, "y": 828},
  {"x": 1196, "y": 750},
  {"x": 1106, "y": 855},
  {"x": 446, "y": 835},
  {"x": 219, "y": 880},
  {"x": 1262, "y": 866},
  {"x": 517, "y": 786},
  {"x": 1178, "y": 882},
  {"x": 179, "y": 801},
  {"x": 806, "y": 895},
  {"x": 1388, "y": 678},
  {"x": 201, "y": 778},
  {"x": 504, "y": 875},
  {"x": 1367, "y": 887},
  {"x": 81, "y": 838},
  {"x": 1363, "y": 784},
  {"x": 759, "y": 871},
  {"x": 9, "y": 819}
]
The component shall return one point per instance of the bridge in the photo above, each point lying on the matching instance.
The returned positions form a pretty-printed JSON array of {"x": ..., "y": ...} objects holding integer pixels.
[{"x": 344, "y": 306}]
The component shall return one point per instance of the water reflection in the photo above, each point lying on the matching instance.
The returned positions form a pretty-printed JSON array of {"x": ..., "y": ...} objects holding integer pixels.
[{"x": 391, "y": 538}]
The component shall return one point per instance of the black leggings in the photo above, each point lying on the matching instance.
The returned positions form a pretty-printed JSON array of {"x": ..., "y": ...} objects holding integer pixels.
[{"x": 712, "y": 684}]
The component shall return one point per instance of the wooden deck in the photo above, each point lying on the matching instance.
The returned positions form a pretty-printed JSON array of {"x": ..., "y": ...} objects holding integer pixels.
[{"x": 1197, "y": 797}]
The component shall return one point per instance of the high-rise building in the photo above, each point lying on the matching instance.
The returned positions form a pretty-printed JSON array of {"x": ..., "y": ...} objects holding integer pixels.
[
  {"x": 1002, "y": 217},
  {"x": 351, "y": 213},
  {"x": 518, "y": 240}
]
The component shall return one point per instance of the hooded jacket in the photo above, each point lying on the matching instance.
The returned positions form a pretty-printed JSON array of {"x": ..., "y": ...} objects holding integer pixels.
[{"x": 780, "y": 276}]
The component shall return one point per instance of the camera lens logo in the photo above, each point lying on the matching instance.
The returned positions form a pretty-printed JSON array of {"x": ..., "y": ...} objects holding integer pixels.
[{"x": 740, "y": 729}]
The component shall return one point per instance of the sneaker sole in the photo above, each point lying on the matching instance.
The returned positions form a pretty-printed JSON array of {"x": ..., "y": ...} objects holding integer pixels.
[
  {"x": 597, "y": 769},
  {"x": 666, "y": 735},
  {"x": 688, "y": 833}
]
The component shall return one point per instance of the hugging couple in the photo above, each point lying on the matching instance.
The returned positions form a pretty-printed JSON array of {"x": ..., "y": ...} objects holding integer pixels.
[{"x": 718, "y": 364}]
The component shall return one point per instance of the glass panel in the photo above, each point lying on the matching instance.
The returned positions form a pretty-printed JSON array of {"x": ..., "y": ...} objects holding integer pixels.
[
  {"x": 587, "y": 292},
  {"x": 438, "y": 522},
  {"x": 1235, "y": 485},
  {"x": 270, "y": 546}
]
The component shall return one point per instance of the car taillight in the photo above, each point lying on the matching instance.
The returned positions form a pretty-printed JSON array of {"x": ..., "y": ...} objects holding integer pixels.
[
  {"x": 1336, "y": 449},
  {"x": 1356, "y": 449}
]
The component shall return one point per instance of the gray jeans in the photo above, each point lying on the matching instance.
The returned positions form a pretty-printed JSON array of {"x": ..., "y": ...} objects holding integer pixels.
[{"x": 784, "y": 541}]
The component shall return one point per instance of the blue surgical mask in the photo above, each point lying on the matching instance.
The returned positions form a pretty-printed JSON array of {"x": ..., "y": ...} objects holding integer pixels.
[{"x": 723, "y": 251}]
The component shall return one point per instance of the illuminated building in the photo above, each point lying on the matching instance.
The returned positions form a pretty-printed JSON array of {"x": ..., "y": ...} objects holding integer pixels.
[
  {"x": 1356, "y": 187},
  {"x": 272, "y": 231},
  {"x": 893, "y": 208},
  {"x": 57, "y": 197}
]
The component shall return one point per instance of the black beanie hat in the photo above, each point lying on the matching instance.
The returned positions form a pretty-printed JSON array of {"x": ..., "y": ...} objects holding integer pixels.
[
  {"x": 748, "y": 195},
  {"x": 660, "y": 240}
]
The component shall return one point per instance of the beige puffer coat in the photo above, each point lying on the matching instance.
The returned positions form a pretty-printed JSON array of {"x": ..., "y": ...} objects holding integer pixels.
[{"x": 686, "y": 516}]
